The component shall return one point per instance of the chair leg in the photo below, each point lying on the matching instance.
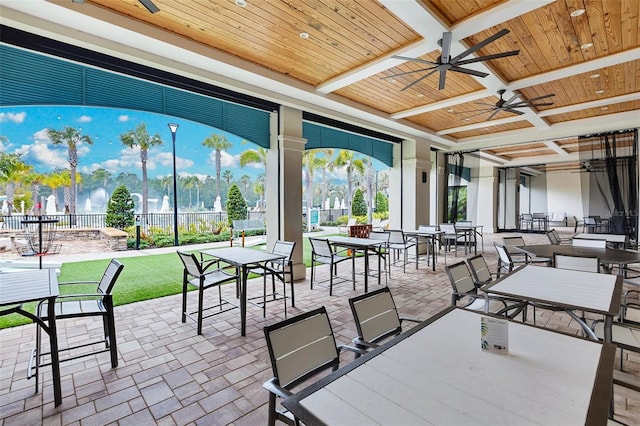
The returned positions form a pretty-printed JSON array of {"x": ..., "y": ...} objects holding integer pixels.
[
  {"x": 293, "y": 299},
  {"x": 272, "y": 409},
  {"x": 264, "y": 294},
  {"x": 37, "y": 354},
  {"x": 200, "y": 302},
  {"x": 184, "y": 300},
  {"x": 113, "y": 346}
]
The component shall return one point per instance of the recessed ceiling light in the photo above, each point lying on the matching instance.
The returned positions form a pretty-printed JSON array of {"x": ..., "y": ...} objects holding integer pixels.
[
  {"x": 586, "y": 46},
  {"x": 467, "y": 119},
  {"x": 449, "y": 110},
  {"x": 392, "y": 80},
  {"x": 241, "y": 3},
  {"x": 577, "y": 12},
  {"x": 420, "y": 95},
  {"x": 604, "y": 108},
  {"x": 599, "y": 91},
  {"x": 595, "y": 75},
  {"x": 304, "y": 35}
]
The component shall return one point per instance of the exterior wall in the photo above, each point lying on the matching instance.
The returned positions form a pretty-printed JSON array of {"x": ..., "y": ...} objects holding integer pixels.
[{"x": 564, "y": 194}]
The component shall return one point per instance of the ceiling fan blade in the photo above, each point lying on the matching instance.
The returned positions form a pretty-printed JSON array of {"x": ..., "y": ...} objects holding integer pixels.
[
  {"x": 480, "y": 45},
  {"x": 443, "y": 77},
  {"x": 469, "y": 71},
  {"x": 446, "y": 48},
  {"x": 421, "y": 61},
  {"x": 418, "y": 80},
  {"x": 487, "y": 57},
  {"x": 475, "y": 110},
  {"x": 514, "y": 111},
  {"x": 543, "y": 104},
  {"x": 150, "y": 6},
  {"x": 486, "y": 104},
  {"x": 480, "y": 113},
  {"x": 406, "y": 72},
  {"x": 492, "y": 114},
  {"x": 509, "y": 101},
  {"x": 525, "y": 104}
]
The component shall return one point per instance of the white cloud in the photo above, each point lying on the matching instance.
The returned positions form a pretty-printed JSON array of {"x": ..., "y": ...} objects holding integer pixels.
[
  {"x": 123, "y": 118},
  {"x": 226, "y": 160},
  {"x": 43, "y": 153},
  {"x": 166, "y": 159},
  {"x": 84, "y": 119},
  {"x": 17, "y": 117}
]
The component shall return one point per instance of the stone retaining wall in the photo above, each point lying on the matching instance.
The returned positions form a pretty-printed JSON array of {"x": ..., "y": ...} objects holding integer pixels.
[{"x": 113, "y": 238}]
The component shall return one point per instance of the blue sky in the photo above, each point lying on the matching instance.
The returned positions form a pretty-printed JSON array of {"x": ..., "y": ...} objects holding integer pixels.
[{"x": 25, "y": 128}]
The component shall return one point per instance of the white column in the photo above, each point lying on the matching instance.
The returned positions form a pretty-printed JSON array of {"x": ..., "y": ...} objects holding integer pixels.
[
  {"x": 484, "y": 182},
  {"x": 284, "y": 185},
  {"x": 409, "y": 185}
]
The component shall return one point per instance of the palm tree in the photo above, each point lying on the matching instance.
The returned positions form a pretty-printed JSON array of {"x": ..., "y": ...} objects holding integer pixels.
[
  {"x": 71, "y": 137},
  {"x": 189, "y": 183},
  {"x": 258, "y": 156},
  {"x": 258, "y": 188},
  {"x": 219, "y": 143},
  {"x": 245, "y": 180},
  {"x": 35, "y": 180},
  {"x": 12, "y": 172},
  {"x": 347, "y": 160},
  {"x": 104, "y": 176},
  {"x": 326, "y": 165},
  {"x": 140, "y": 137},
  {"x": 369, "y": 178},
  {"x": 311, "y": 164},
  {"x": 228, "y": 177}
]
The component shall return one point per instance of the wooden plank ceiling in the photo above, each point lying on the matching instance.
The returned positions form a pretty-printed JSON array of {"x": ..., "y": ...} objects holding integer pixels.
[{"x": 585, "y": 52}]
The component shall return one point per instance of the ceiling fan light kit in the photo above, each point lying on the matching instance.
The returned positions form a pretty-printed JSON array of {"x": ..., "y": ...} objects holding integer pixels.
[{"x": 447, "y": 63}]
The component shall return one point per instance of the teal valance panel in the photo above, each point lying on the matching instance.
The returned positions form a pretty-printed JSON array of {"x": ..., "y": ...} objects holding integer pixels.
[
  {"x": 30, "y": 78},
  {"x": 319, "y": 136}
]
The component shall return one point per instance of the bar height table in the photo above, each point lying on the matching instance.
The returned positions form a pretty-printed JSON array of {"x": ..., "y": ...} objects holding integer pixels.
[
  {"x": 358, "y": 244},
  {"x": 243, "y": 258},
  {"x": 17, "y": 288}
]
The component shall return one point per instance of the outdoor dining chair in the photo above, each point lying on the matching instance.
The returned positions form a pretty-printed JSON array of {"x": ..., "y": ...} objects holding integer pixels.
[
  {"x": 300, "y": 348},
  {"x": 505, "y": 263},
  {"x": 376, "y": 318},
  {"x": 465, "y": 291},
  {"x": 576, "y": 262},
  {"x": 281, "y": 269},
  {"x": 381, "y": 251},
  {"x": 203, "y": 276},
  {"x": 510, "y": 244},
  {"x": 585, "y": 242},
  {"x": 322, "y": 253},
  {"x": 480, "y": 270},
  {"x": 400, "y": 244},
  {"x": 82, "y": 305}
]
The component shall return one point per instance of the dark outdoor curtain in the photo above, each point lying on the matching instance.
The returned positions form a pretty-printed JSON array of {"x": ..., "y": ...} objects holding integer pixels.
[
  {"x": 461, "y": 194},
  {"x": 611, "y": 163}
]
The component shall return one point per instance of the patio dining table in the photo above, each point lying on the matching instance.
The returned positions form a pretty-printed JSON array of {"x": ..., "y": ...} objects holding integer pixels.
[
  {"x": 437, "y": 373},
  {"x": 563, "y": 289},
  {"x": 36, "y": 285},
  {"x": 432, "y": 237},
  {"x": 607, "y": 256},
  {"x": 359, "y": 244},
  {"x": 244, "y": 259}
]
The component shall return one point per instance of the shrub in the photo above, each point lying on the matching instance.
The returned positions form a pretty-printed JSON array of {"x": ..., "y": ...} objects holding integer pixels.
[
  {"x": 120, "y": 209},
  {"x": 358, "y": 206},
  {"x": 382, "y": 203},
  {"x": 236, "y": 205}
]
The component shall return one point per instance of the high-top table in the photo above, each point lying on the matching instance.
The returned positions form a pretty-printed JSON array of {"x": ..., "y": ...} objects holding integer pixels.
[
  {"x": 563, "y": 289},
  {"x": 437, "y": 373},
  {"x": 432, "y": 237},
  {"x": 243, "y": 258},
  {"x": 606, "y": 255},
  {"x": 359, "y": 244},
  {"x": 17, "y": 288}
]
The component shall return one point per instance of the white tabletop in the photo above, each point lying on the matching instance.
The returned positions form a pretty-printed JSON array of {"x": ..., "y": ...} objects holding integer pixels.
[
  {"x": 562, "y": 287},
  {"x": 611, "y": 238},
  {"x": 440, "y": 375},
  {"x": 27, "y": 286}
]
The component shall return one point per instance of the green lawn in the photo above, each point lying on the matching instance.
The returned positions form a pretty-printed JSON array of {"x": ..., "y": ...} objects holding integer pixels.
[{"x": 143, "y": 278}]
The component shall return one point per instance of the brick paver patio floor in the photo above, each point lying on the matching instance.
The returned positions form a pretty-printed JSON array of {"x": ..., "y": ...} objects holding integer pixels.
[{"x": 167, "y": 375}]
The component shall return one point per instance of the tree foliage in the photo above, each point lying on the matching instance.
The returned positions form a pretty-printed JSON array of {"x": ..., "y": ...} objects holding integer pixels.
[
  {"x": 236, "y": 205},
  {"x": 382, "y": 203},
  {"x": 358, "y": 206},
  {"x": 120, "y": 208}
]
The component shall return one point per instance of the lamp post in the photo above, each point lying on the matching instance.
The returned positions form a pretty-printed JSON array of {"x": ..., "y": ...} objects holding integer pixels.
[{"x": 174, "y": 128}]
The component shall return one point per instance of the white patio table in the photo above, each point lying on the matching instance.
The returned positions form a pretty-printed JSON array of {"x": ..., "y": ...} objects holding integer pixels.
[{"x": 437, "y": 373}]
